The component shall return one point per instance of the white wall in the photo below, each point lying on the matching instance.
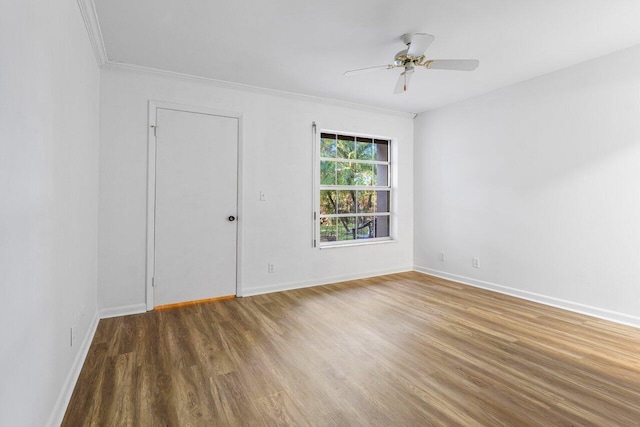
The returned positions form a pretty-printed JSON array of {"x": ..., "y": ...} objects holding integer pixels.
[
  {"x": 49, "y": 88},
  {"x": 541, "y": 182},
  {"x": 277, "y": 159}
]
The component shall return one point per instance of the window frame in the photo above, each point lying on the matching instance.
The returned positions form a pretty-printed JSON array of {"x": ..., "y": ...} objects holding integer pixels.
[{"x": 317, "y": 187}]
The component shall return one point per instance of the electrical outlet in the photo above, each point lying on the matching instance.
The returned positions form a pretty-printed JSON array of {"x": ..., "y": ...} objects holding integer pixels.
[
  {"x": 475, "y": 262},
  {"x": 441, "y": 257},
  {"x": 270, "y": 267},
  {"x": 263, "y": 196}
]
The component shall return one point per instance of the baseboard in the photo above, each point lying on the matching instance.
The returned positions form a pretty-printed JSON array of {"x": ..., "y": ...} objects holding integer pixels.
[
  {"x": 124, "y": 310},
  {"x": 318, "y": 282},
  {"x": 55, "y": 419},
  {"x": 600, "y": 313},
  {"x": 67, "y": 390}
]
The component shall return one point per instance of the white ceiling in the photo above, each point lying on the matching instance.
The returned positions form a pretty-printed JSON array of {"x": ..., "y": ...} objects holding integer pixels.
[{"x": 304, "y": 47}]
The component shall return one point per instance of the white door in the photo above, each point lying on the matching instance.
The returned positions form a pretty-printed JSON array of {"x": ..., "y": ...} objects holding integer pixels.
[{"x": 196, "y": 202}]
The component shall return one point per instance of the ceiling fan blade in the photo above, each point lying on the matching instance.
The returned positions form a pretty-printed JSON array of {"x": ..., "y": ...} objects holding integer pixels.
[
  {"x": 452, "y": 64},
  {"x": 419, "y": 44},
  {"x": 403, "y": 82},
  {"x": 366, "y": 70}
]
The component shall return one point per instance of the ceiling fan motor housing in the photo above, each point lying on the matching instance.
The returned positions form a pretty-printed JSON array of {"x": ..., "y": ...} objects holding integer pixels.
[{"x": 402, "y": 59}]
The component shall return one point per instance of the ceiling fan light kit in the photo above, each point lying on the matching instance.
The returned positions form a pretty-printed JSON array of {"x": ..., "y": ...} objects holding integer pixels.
[{"x": 414, "y": 56}]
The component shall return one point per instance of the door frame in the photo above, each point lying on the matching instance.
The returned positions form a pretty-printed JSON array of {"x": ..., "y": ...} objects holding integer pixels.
[{"x": 154, "y": 106}]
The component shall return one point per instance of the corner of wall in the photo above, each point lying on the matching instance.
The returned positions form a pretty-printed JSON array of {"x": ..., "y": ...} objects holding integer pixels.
[
  {"x": 90, "y": 17},
  {"x": 57, "y": 415}
]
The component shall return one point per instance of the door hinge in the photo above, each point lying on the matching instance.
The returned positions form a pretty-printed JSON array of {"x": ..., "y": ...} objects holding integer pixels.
[
  {"x": 314, "y": 216},
  {"x": 155, "y": 130},
  {"x": 313, "y": 126},
  {"x": 153, "y": 282},
  {"x": 314, "y": 243}
]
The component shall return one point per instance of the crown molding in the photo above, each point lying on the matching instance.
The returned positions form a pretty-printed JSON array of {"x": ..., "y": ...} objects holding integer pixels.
[
  {"x": 120, "y": 66},
  {"x": 90, "y": 18}
]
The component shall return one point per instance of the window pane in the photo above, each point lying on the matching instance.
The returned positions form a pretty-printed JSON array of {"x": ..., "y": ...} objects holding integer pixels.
[
  {"x": 328, "y": 230},
  {"x": 347, "y": 213},
  {"x": 364, "y": 149},
  {"x": 367, "y": 201},
  {"x": 366, "y": 227},
  {"x": 346, "y": 202},
  {"x": 381, "y": 150},
  {"x": 346, "y": 228},
  {"x": 346, "y": 147},
  {"x": 383, "y": 201},
  {"x": 328, "y": 145},
  {"x": 380, "y": 175},
  {"x": 364, "y": 174},
  {"x": 328, "y": 202},
  {"x": 382, "y": 226},
  {"x": 345, "y": 173},
  {"x": 327, "y": 172}
]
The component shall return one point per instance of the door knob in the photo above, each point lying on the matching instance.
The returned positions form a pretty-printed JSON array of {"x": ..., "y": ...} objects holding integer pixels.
[{"x": 232, "y": 218}]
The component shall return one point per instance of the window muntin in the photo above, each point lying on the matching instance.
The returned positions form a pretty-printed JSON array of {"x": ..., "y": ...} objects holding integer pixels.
[{"x": 355, "y": 189}]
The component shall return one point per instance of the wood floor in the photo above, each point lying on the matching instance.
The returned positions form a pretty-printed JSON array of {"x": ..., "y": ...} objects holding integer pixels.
[{"x": 397, "y": 350}]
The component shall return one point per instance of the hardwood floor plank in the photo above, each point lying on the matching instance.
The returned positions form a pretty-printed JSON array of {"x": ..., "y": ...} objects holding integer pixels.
[{"x": 402, "y": 349}]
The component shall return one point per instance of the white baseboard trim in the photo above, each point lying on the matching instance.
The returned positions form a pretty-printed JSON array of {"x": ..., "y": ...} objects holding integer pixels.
[
  {"x": 318, "y": 282},
  {"x": 55, "y": 419},
  {"x": 124, "y": 310},
  {"x": 588, "y": 310}
]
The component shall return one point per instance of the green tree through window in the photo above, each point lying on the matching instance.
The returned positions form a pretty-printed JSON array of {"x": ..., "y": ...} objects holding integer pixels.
[{"x": 355, "y": 190}]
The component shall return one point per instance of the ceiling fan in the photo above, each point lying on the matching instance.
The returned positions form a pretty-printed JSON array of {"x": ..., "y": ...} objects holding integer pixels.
[{"x": 413, "y": 56}]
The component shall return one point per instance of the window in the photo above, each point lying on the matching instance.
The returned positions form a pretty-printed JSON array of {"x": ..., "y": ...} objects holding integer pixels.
[{"x": 354, "y": 190}]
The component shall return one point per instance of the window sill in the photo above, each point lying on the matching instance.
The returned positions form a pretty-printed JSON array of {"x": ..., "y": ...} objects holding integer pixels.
[{"x": 349, "y": 244}]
